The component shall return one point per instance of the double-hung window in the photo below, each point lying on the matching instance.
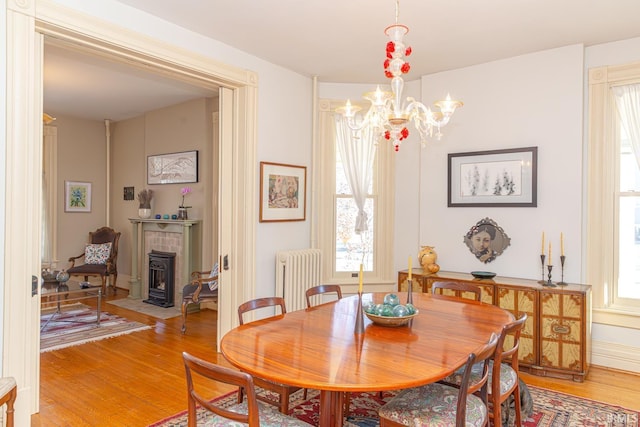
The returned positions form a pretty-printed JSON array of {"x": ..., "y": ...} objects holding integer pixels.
[
  {"x": 344, "y": 247},
  {"x": 613, "y": 228}
]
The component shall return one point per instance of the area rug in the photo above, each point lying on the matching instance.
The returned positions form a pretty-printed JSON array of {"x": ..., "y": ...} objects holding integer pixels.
[
  {"x": 550, "y": 409},
  {"x": 145, "y": 308},
  {"x": 77, "y": 325}
]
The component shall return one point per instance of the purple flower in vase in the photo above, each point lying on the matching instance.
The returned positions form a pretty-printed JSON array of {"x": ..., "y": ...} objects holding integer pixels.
[{"x": 185, "y": 191}]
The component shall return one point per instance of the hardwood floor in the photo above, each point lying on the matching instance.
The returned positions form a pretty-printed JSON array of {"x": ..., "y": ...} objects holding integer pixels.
[{"x": 138, "y": 379}]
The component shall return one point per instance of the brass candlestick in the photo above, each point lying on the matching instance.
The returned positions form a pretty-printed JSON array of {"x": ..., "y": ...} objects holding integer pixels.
[
  {"x": 562, "y": 282},
  {"x": 549, "y": 282},
  {"x": 359, "y": 327},
  {"x": 410, "y": 291},
  {"x": 542, "y": 281}
]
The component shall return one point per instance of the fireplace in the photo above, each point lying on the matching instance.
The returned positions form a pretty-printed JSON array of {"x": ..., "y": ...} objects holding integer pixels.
[{"x": 161, "y": 278}]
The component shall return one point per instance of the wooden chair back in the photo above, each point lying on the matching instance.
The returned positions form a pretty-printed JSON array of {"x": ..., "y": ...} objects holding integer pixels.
[
  {"x": 260, "y": 303},
  {"x": 507, "y": 352},
  {"x": 322, "y": 289},
  {"x": 479, "y": 386},
  {"x": 206, "y": 370},
  {"x": 458, "y": 289}
]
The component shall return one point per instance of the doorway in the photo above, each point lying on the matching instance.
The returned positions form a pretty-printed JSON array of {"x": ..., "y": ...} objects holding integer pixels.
[{"x": 238, "y": 138}]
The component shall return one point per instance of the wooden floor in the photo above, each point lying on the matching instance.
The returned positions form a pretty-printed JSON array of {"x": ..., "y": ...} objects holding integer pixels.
[{"x": 138, "y": 379}]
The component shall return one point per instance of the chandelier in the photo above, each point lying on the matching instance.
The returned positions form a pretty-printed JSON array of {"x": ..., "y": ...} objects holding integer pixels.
[{"x": 388, "y": 116}]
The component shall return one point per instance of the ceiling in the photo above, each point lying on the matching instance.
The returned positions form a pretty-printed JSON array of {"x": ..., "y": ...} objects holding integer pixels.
[{"x": 338, "y": 41}]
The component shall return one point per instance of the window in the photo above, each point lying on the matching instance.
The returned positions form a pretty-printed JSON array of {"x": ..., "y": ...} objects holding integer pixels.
[
  {"x": 613, "y": 207},
  {"x": 344, "y": 249}
]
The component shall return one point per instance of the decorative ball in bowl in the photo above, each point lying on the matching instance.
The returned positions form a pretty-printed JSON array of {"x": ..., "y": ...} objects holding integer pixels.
[{"x": 390, "y": 312}]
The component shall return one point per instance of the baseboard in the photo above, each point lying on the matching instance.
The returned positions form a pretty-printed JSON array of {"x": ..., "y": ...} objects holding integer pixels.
[{"x": 616, "y": 356}]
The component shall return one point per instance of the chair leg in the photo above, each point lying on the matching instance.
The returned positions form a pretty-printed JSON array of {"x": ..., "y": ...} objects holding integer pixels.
[
  {"x": 516, "y": 395},
  {"x": 184, "y": 318},
  {"x": 104, "y": 285}
]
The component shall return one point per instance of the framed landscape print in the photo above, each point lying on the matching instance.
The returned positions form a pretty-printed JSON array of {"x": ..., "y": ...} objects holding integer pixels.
[
  {"x": 77, "y": 196},
  {"x": 282, "y": 192},
  {"x": 506, "y": 178}
]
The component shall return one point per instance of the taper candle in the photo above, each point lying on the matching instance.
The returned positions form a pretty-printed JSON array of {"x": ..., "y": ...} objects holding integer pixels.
[
  {"x": 409, "y": 268},
  {"x": 542, "y": 250},
  {"x": 549, "y": 261},
  {"x": 360, "y": 278},
  {"x": 562, "y": 244}
]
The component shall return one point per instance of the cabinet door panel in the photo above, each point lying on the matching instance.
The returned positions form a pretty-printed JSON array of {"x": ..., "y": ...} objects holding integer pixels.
[
  {"x": 518, "y": 301},
  {"x": 561, "y": 331}
]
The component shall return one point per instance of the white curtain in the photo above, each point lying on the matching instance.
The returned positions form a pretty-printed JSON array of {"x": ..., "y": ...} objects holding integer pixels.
[
  {"x": 357, "y": 150},
  {"x": 628, "y": 105}
]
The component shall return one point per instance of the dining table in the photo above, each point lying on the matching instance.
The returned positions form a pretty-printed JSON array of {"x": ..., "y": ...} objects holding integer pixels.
[{"x": 321, "y": 348}]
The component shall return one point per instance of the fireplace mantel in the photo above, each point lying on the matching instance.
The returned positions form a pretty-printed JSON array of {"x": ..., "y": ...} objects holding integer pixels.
[{"x": 184, "y": 227}]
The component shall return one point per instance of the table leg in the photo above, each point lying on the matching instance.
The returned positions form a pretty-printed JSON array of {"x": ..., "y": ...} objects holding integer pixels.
[
  {"x": 331, "y": 408},
  {"x": 99, "y": 303}
]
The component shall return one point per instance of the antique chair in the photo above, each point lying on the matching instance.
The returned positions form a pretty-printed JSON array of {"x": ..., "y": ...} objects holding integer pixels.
[
  {"x": 8, "y": 394},
  {"x": 100, "y": 258},
  {"x": 439, "y": 404},
  {"x": 203, "y": 287},
  {"x": 250, "y": 411},
  {"x": 459, "y": 289},
  {"x": 505, "y": 367},
  {"x": 282, "y": 390},
  {"x": 322, "y": 289}
]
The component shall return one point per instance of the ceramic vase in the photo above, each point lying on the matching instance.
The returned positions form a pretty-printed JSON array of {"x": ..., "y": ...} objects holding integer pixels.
[{"x": 144, "y": 213}]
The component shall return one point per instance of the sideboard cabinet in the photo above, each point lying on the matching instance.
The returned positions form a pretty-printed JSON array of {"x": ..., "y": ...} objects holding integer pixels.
[{"x": 556, "y": 339}]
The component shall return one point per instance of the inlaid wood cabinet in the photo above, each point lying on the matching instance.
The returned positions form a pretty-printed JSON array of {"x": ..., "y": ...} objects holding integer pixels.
[{"x": 556, "y": 339}]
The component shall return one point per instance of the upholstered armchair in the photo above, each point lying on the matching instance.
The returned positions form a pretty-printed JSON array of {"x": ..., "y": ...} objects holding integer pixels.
[
  {"x": 100, "y": 258},
  {"x": 203, "y": 287}
]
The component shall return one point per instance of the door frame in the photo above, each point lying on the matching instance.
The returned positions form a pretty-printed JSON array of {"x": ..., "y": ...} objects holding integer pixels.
[{"x": 28, "y": 21}]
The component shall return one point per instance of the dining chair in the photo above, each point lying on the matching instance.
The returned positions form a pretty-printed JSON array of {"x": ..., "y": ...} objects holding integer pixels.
[
  {"x": 282, "y": 390},
  {"x": 457, "y": 289},
  {"x": 250, "y": 411},
  {"x": 203, "y": 287},
  {"x": 504, "y": 373},
  {"x": 8, "y": 394},
  {"x": 439, "y": 404},
  {"x": 322, "y": 289}
]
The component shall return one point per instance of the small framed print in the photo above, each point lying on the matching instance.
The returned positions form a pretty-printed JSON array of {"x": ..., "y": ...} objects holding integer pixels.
[
  {"x": 499, "y": 178},
  {"x": 77, "y": 196},
  {"x": 282, "y": 192}
]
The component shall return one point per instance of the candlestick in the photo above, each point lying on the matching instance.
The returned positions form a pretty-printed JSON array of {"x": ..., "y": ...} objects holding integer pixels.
[
  {"x": 409, "y": 268},
  {"x": 561, "y": 244},
  {"x": 542, "y": 250},
  {"x": 360, "y": 280},
  {"x": 359, "y": 326},
  {"x": 549, "y": 282},
  {"x": 542, "y": 257},
  {"x": 409, "y": 291},
  {"x": 562, "y": 282}
]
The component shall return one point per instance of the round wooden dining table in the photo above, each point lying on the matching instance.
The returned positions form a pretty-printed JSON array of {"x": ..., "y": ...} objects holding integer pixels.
[{"x": 318, "y": 348}]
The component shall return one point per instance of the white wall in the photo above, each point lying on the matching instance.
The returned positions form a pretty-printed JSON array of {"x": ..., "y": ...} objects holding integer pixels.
[
  {"x": 284, "y": 116},
  {"x": 3, "y": 147},
  {"x": 530, "y": 100}
]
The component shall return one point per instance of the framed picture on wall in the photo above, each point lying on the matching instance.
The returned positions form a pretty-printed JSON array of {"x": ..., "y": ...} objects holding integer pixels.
[
  {"x": 77, "y": 196},
  {"x": 172, "y": 168},
  {"x": 282, "y": 192},
  {"x": 499, "y": 178}
]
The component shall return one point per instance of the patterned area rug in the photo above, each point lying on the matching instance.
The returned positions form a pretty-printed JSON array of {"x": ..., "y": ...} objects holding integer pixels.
[
  {"x": 550, "y": 409},
  {"x": 77, "y": 324},
  {"x": 145, "y": 308}
]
